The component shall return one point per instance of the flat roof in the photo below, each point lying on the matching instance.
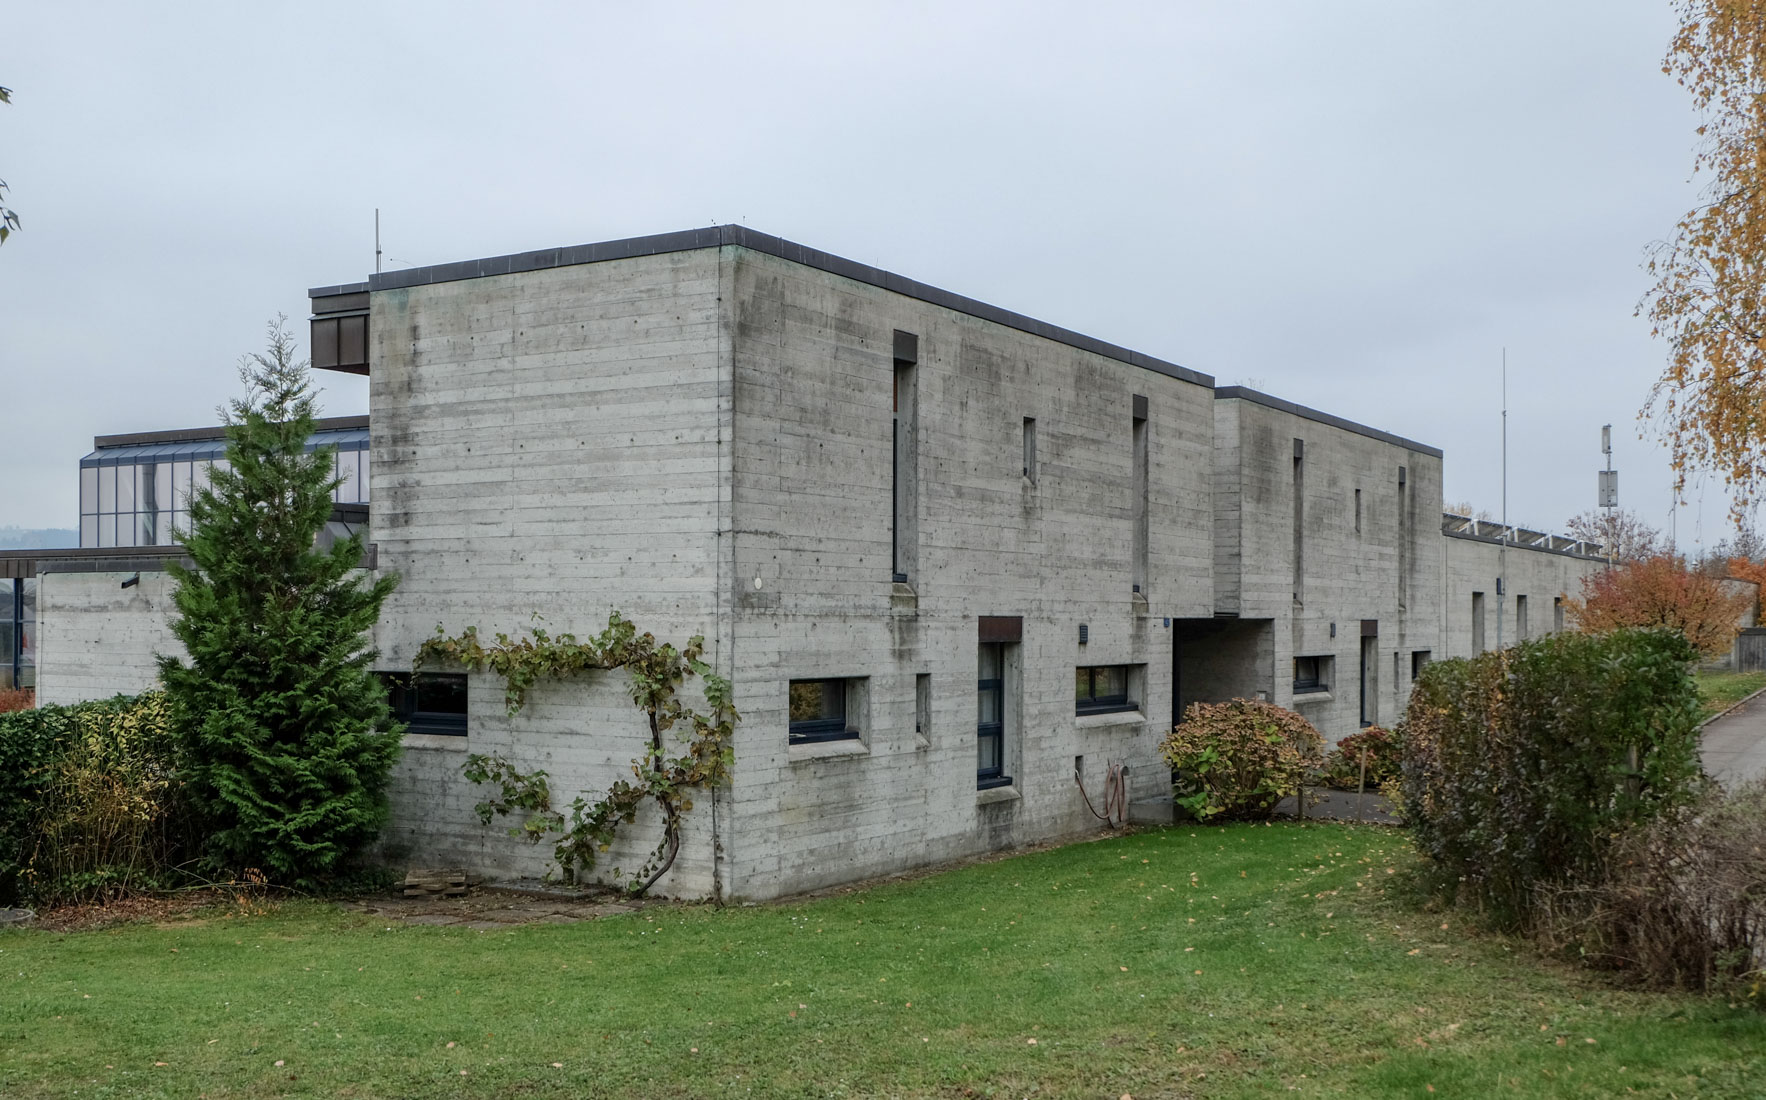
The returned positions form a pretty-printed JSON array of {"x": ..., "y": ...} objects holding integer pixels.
[
  {"x": 218, "y": 431},
  {"x": 742, "y": 237},
  {"x": 1245, "y": 393},
  {"x": 206, "y": 443}
]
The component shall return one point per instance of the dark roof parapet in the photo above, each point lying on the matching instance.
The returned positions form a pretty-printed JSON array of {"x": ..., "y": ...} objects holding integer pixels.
[
  {"x": 741, "y": 236},
  {"x": 1256, "y": 397},
  {"x": 218, "y": 431}
]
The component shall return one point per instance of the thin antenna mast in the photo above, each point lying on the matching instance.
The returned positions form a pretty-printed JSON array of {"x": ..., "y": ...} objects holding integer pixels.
[
  {"x": 377, "y": 240},
  {"x": 1502, "y": 550},
  {"x": 1609, "y": 492}
]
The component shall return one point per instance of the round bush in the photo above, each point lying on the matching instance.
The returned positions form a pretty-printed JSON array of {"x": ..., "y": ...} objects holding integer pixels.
[
  {"x": 1239, "y": 758},
  {"x": 1342, "y": 766}
]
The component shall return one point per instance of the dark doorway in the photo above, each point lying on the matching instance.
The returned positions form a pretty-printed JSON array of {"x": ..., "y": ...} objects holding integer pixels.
[{"x": 1214, "y": 660}]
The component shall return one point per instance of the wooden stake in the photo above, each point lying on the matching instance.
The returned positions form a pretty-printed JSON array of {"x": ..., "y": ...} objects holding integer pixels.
[{"x": 1361, "y": 788}]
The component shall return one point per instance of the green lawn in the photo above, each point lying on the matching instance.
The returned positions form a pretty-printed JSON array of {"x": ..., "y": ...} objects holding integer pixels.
[
  {"x": 1718, "y": 691},
  {"x": 1236, "y": 961}
]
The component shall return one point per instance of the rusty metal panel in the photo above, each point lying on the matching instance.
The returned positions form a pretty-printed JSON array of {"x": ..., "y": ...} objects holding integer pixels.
[
  {"x": 324, "y": 343},
  {"x": 340, "y": 343},
  {"x": 1002, "y": 628},
  {"x": 352, "y": 343},
  {"x": 341, "y": 303}
]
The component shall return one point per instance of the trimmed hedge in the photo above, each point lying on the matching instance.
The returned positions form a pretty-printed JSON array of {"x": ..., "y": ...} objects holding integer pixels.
[
  {"x": 89, "y": 800},
  {"x": 1520, "y": 767}
]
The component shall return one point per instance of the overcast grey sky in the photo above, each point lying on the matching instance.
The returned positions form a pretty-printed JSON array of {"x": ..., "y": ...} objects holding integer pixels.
[{"x": 1355, "y": 206}]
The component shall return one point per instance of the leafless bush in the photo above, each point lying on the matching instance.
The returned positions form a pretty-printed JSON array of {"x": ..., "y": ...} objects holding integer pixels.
[{"x": 1682, "y": 903}]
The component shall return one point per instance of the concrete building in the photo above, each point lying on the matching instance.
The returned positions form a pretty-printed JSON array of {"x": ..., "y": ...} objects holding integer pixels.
[
  {"x": 956, "y": 561},
  {"x": 1325, "y": 532},
  {"x": 1539, "y": 574}
]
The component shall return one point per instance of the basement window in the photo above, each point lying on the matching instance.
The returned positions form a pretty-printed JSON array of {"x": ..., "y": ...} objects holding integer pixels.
[
  {"x": 1311, "y": 674},
  {"x": 428, "y": 702},
  {"x": 1103, "y": 689},
  {"x": 819, "y": 711}
]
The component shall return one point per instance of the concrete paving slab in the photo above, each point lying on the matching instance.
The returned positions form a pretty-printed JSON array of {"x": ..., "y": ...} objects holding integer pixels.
[{"x": 1330, "y": 804}]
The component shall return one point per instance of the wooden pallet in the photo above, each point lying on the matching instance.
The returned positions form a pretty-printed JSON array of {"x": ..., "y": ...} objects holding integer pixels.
[{"x": 434, "y": 884}]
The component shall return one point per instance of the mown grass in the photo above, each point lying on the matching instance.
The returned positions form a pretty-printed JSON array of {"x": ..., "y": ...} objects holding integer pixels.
[
  {"x": 1719, "y": 690},
  {"x": 1235, "y": 961}
]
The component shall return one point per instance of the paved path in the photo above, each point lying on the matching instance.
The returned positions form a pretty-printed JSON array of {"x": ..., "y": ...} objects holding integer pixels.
[
  {"x": 1330, "y": 804},
  {"x": 1734, "y": 746}
]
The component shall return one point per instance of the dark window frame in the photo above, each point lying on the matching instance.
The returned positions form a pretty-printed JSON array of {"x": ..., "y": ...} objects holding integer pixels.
[
  {"x": 1419, "y": 660},
  {"x": 988, "y": 778},
  {"x": 813, "y": 730},
  {"x": 407, "y": 704},
  {"x": 1318, "y": 682},
  {"x": 1092, "y": 702}
]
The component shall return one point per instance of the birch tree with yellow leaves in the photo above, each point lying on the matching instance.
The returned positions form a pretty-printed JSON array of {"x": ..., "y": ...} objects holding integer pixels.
[{"x": 1709, "y": 297}]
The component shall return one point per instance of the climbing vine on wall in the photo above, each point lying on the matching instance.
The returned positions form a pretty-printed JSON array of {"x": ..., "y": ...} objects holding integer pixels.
[{"x": 657, "y": 672}]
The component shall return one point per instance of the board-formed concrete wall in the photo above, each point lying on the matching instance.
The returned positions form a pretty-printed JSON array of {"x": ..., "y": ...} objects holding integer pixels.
[
  {"x": 549, "y": 443},
  {"x": 1541, "y": 581},
  {"x": 1372, "y": 559},
  {"x": 813, "y": 594},
  {"x": 97, "y": 638}
]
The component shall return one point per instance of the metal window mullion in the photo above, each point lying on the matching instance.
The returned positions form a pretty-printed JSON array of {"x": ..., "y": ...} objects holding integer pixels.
[{"x": 18, "y": 630}]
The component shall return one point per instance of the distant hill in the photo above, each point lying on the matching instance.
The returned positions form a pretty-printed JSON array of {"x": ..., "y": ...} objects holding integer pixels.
[{"x": 42, "y": 538}]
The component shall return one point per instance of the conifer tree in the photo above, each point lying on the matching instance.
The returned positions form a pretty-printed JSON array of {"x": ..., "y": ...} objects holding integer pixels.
[{"x": 287, "y": 732}]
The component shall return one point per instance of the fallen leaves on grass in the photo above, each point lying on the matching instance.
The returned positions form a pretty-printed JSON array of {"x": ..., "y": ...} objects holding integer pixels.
[{"x": 78, "y": 918}]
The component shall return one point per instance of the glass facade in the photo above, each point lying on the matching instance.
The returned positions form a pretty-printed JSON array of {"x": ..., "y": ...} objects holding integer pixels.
[
  {"x": 18, "y": 633},
  {"x": 139, "y": 495}
]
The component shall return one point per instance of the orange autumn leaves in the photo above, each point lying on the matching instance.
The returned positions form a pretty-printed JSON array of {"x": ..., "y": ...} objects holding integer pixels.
[
  {"x": 1744, "y": 569},
  {"x": 1660, "y": 591},
  {"x": 1708, "y": 303}
]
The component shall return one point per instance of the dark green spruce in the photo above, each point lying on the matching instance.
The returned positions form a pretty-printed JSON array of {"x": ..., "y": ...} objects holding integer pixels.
[{"x": 287, "y": 733}]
